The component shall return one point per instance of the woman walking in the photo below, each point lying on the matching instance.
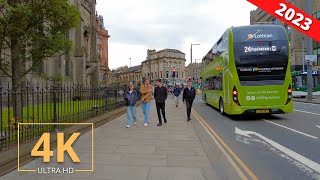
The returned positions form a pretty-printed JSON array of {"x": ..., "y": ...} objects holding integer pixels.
[
  {"x": 131, "y": 97},
  {"x": 146, "y": 93}
]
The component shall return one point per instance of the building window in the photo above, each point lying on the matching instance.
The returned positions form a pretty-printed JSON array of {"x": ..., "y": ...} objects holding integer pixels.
[
  {"x": 177, "y": 74},
  {"x": 167, "y": 74},
  {"x": 161, "y": 74},
  {"x": 167, "y": 64},
  {"x": 178, "y": 65}
]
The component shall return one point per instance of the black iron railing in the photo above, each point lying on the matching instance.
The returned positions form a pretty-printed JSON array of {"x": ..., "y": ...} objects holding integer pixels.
[{"x": 50, "y": 104}]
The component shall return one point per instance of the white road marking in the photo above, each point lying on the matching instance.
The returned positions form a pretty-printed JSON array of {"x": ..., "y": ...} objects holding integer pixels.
[
  {"x": 307, "y": 162},
  {"x": 318, "y": 126},
  {"x": 305, "y": 134},
  {"x": 306, "y": 112}
]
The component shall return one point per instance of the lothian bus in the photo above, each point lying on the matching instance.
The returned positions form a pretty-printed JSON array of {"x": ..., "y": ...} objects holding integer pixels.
[{"x": 247, "y": 71}]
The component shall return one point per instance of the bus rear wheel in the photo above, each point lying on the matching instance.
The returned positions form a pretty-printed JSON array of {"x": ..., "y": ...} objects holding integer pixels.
[
  {"x": 205, "y": 99},
  {"x": 221, "y": 108}
]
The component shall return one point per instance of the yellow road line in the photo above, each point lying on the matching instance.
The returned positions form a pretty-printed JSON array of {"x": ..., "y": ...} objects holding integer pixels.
[
  {"x": 233, "y": 164},
  {"x": 217, "y": 137}
]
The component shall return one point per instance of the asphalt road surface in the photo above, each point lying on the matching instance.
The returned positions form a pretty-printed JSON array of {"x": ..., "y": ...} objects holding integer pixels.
[{"x": 285, "y": 146}]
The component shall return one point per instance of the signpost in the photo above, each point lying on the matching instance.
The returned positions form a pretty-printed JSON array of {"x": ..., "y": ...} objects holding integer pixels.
[{"x": 311, "y": 58}]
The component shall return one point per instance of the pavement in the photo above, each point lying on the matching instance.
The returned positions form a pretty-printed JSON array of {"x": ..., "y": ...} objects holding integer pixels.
[
  {"x": 170, "y": 152},
  {"x": 315, "y": 100}
]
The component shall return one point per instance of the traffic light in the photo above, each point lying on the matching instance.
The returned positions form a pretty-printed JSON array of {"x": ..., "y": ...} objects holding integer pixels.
[
  {"x": 174, "y": 73},
  {"x": 189, "y": 78}
]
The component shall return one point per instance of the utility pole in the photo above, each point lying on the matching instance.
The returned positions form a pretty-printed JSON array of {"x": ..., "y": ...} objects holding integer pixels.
[
  {"x": 309, "y": 52},
  {"x": 303, "y": 58},
  {"x": 191, "y": 57},
  {"x": 130, "y": 62}
]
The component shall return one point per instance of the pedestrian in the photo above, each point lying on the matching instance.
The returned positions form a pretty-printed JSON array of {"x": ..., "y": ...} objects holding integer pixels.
[
  {"x": 160, "y": 95},
  {"x": 176, "y": 93},
  {"x": 146, "y": 94},
  {"x": 131, "y": 97},
  {"x": 189, "y": 94}
]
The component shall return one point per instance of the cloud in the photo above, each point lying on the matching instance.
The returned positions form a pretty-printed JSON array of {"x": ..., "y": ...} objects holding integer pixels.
[{"x": 160, "y": 24}]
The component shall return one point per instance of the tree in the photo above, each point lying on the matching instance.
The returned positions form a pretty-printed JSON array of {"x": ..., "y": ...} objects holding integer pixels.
[
  {"x": 122, "y": 68},
  {"x": 31, "y": 31}
]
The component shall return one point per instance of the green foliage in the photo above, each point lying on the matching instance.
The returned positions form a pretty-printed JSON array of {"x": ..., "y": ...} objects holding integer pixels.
[
  {"x": 31, "y": 31},
  {"x": 51, "y": 78}
]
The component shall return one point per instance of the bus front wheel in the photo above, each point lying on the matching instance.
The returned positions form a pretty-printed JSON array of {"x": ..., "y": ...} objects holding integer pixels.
[{"x": 221, "y": 108}]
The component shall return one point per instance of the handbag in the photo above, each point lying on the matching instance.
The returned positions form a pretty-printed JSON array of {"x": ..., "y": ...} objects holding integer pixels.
[{"x": 127, "y": 103}]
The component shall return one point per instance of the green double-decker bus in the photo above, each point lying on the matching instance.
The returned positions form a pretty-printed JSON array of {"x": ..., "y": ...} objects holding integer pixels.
[{"x": 247, "y": 71}]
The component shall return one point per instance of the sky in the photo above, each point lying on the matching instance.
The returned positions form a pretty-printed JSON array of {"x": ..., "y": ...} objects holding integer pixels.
[{"x": 138, "y": 25}]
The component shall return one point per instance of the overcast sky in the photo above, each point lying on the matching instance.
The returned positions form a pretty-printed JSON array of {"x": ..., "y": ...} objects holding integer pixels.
[{"x": 138, "y": 25}]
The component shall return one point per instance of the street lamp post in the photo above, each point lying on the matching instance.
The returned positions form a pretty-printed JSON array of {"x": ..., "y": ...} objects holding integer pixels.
[
  {"x": 309, "y": 51},
  {"x": 303, "y": 59},
  {"x": 191, "y": 59}
]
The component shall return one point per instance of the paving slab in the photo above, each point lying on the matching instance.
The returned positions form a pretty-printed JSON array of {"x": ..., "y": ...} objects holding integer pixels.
[{"x": 170, "y": 152}]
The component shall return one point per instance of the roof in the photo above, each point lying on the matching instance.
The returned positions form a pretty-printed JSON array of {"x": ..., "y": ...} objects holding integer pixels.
[
  {"x": 172, "y": 50},
  {"x": 164, "y": 50},
  {"x": 273, "y": 26},
  {"x": 131, "y": 69}
]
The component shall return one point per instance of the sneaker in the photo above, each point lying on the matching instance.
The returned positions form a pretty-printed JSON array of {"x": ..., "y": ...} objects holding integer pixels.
[
  {"x": 159, "y": 124},
  {"x": 145, "y": 124},
  {"x": 176, "y": 105},
  {"x": 128, "y": 126},
  {"x": 135, "y": 123},
  {"x": 165, "y": 121}
]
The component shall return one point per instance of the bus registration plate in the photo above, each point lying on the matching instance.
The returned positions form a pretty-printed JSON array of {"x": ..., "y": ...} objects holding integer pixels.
[{"x": 262, "y": 111}]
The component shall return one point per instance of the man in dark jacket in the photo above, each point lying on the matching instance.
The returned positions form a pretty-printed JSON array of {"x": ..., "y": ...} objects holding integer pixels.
[
  {"x": 160, "y": 95},
  {"x": 189, "y": 94}
]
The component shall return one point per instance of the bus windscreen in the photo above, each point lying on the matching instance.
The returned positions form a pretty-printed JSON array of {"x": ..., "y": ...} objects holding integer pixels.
[{"x": 261, "y": 56}]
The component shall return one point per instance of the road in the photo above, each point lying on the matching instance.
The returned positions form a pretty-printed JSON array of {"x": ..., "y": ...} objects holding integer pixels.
[{"x": 283, "y": 146}]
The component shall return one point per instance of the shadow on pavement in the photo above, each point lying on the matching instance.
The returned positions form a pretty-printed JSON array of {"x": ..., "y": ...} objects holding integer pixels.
[{"x": 253, "y": 117}]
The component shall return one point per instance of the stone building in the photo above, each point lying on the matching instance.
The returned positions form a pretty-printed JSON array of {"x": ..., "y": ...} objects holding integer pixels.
[
  {"x": 102, "y": 48},
  {"x": 160, "y": 64},
  {"x": 295, "y": 37},
  {"x": 194, "y": 72},
  {"x": 79, "y": 66},
  {"x": 130, "y": 75}
]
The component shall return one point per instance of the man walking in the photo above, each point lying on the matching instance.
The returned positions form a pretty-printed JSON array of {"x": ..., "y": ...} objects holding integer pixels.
[
  {"x": 176, "y": 93},
  {"x": 189, "y": 94},
  {"x": 160, "y": 95}
]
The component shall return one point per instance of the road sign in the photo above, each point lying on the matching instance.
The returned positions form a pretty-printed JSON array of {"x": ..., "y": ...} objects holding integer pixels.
[{"x": 311, "y": 58}]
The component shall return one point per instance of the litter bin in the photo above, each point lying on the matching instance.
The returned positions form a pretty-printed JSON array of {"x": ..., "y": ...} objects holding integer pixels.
[{"x": 198, "y": 91}]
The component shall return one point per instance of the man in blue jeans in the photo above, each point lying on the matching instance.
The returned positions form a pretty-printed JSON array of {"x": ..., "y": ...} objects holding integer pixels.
[
  {"x": 131, "y": 97},
  {"x": 176, "y": 93}
]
